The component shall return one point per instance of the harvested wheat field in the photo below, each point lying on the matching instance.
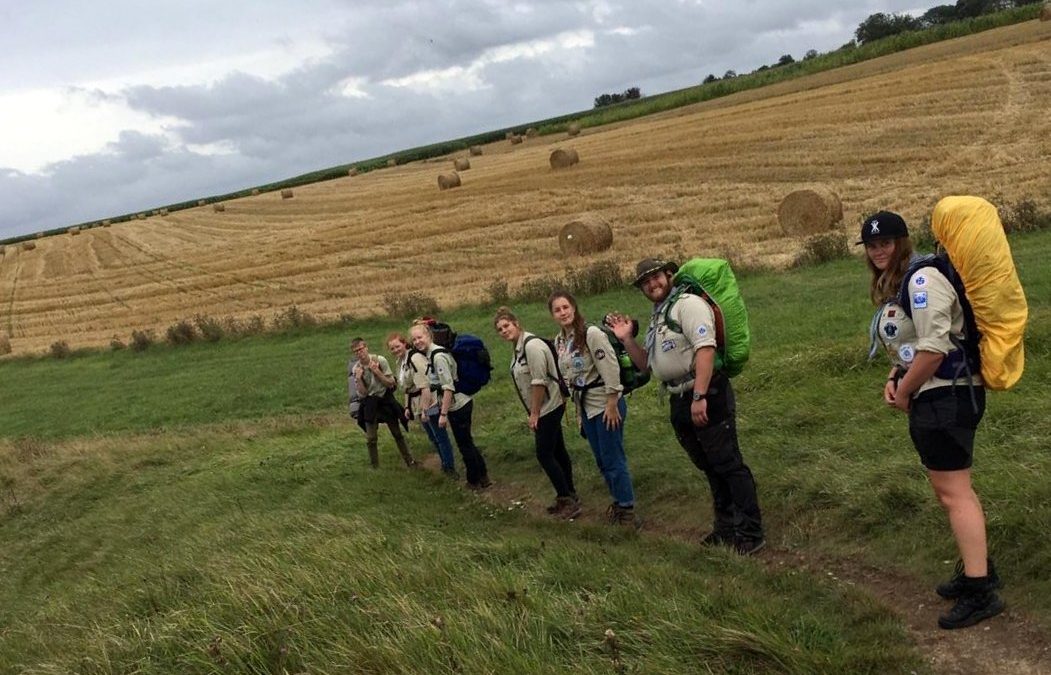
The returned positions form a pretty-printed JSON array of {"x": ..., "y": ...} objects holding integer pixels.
[{"x": 962, "y": 116}]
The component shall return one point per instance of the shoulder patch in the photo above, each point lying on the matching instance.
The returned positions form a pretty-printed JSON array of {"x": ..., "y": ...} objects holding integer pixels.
[
  {"x": 600, "y": 354},
  {"x": 920, "y": 280},
  {"x": 702, "y": 330},
  {"x": 907, "y": 353},
  {"x": 919, "y": 300},
  {"x": 890, "y": 329}
]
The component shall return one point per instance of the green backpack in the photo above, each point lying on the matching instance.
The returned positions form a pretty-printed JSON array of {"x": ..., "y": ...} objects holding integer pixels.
[{"x": 713, "y": 280}]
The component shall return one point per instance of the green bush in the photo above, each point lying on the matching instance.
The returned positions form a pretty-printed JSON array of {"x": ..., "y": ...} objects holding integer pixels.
[
  {"x": 181, "y": 332},
  {"x": 142, "y": 339},
  {"x": 499, "y": 294},
  {"x": 211, "y": 329},
  {"x": 5, "y": 344},
  {"x": 293, "y": 318},
  {"x": 410, "y": 305},
  {"x": 60, "y": 350},
  {"x": 596, "y": 278},
  {"x": 538, "y": 289},
  {"x": 116, "y": 344},
  {"x": 822, "y": 248},
  {"x": 1023, "y": 215}
]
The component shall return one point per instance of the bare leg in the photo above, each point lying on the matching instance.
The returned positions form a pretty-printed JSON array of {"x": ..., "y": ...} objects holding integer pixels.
[{"x": 966, "y": 518}]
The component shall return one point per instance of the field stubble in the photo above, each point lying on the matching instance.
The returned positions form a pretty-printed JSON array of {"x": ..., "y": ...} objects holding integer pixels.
[{"x": 964, "y": 116}]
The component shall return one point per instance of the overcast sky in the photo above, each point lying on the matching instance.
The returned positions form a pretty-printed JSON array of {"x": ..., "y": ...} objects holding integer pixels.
[{"x": 122, "y": 105}]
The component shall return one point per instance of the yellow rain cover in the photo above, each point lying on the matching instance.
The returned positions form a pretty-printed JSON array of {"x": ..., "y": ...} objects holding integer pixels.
[{"x": 970, "y": 230}]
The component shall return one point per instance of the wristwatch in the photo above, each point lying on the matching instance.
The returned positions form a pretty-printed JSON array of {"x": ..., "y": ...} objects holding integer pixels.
[{"x": 699, "y": 397}]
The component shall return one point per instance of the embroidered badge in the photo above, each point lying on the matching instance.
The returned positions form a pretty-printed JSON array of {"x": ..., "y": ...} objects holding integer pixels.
[
  {"x": 919, "y": 300},
  {"x": 890, "y": 329},
  {"x": 891, "y": 313},
  {"x": 580, "y": 381},
  {"x": 919, "y": 280},
  {"x": 600, "y": 354},
  {"x": 702, "y": 330},
  {"x": 667, "y": 345},
  {"x": 907, "y": 353},
  {"x": 578, "y": 363}
]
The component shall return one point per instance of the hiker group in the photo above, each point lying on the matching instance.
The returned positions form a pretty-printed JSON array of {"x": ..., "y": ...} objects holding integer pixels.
[{"x": 952, "y": 324}]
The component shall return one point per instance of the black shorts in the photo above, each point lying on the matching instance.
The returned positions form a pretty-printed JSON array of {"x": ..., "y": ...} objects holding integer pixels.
[{"x": 942, "y": 422}]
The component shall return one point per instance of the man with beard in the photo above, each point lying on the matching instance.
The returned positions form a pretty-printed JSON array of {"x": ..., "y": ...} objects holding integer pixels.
[{"x": 682, "y": 357}]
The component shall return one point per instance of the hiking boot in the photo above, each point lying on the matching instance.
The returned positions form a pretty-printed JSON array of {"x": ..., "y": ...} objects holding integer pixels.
[
  {"x": 716, "y": 538},
  {"x": 482, "y": 484},
  {"x": 569, "y": 508},
  {"x": 976, "y": 603},
  {"x": 749, "y": 545},
  {"x": 451, "y": 473},
  {"x": 953, "y": 588},
  {"x": 623, "y": 516}
]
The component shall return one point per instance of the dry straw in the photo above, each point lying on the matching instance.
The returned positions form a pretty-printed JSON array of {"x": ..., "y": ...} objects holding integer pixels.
[
  {"x": 447, "y": 181},
  {"x": 286, "y": 194},
  {"x": 588, "y": 233},
  {"x": 562, "y": 159},
  {"x": 573, "y": 129},
  {"x": 2, "y": 249},
  {"x": 28, "y": 245},
  {"x": 392, "y": 162},
  {"x": 255, "y": 192},
  {"x": 462, "y": 164},
  {"x": 352, "y": 171},
  {"x": 200, "y": 202},
  {"x": 1045, "y": 13},
  {"x": 532, "y": 133},
  {"x": 142, "y": 216},
  {"x": 810, "y": 211},
  {"x": 107, "y": 222},
  {"x": 475, "y": 150},
  {"x": 39, "y": 235},
  {"x": 508, "y": 135},
  {"x": 164, "y": 212},
  {"x": 218, "y": 208},
  {"x": 515, "y": 140},
  {"x": 73, "y": 231}
]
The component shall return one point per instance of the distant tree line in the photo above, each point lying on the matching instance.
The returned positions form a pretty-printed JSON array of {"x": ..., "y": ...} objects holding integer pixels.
[
  {"x": 882, "y": 25},
  {"x": 628, "y": 94}
]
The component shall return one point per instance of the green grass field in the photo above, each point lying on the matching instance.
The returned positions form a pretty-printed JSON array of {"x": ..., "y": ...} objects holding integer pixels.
[{"x": 208, "y": 509}]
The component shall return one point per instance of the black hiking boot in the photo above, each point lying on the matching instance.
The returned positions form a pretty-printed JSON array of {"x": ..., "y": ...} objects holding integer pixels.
[
  {"x": 482, "y": 484},
  {"x": 953, "y": 588},
  {"x": 977, "y": 602},
  {"x": 717, "y": 538},
  {"x": 749, "y": 545},
  {"x": 569, "y": 508}
]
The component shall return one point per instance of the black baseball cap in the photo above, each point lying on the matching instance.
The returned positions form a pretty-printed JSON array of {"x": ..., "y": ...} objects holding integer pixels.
[{"x": 882, "y": 225}]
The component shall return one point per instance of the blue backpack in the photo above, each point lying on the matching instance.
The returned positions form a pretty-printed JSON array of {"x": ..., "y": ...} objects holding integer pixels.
[{"x": 473, "y": 365}]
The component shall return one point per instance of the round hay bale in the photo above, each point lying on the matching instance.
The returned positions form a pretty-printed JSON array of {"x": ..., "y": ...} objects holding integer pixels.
[
  {"x": 475, "y": 150},
  {"x": 586, "y": 234},
  {"x": 286, "y": 194},
  {"x": 28, "y": 245},
  {"x": 447, "y": 181},
  {"x": 142, "y": 216},
  {"x": 1045, "y": 13},
  {"x": 562, "y": 159},
  {"x": 218, "y": 208},
  {"x": 39, "y": 235},
  {"x": 352, "y": 171},
  {"x": 573, "y": 129},
  {"x": 515, "y": 140},
  {"x": 532, "y": 133},
  {"x": 809, "y": 211},
  {"x": 200, "y": 202},
  {"x": 73, "y": 231},
  {"x": 255, "y": 191},
  {"x": 392, "y": 162},
  {"x": 107, "y": 222},
  {"x": 164, "y": 212},
  {"x": 508, "y": 135},
  {"x": 462, "y": 164}
]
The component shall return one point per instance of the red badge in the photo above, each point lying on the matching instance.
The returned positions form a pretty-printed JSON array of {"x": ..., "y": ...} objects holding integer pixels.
[{"x": 891, "y": 313}]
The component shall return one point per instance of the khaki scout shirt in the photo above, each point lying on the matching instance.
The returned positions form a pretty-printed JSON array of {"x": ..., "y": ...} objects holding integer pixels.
[
  {"x": 585, "y": 366},
  {"x": 373, "y": 385},
  {"x": 533, "y": 364},
  {"x": 413, "y": 380},
  {"x": 442, "y": 377},
  {"x": 936, "y": 314},
  {"x": 671, "y": 353}
]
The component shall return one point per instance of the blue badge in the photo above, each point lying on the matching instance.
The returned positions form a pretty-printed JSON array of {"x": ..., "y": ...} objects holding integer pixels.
[
  {"x": 578, "y": 363},
  {"x": 702, "y": 330},
  {"x": 890, "y": 329},
  {"x": 906, "y": 353},
  {"x": 919, "y": 280},
  {"x": 919, "y": 300},
  {"x": 580, "y": 381},
  {"x": 667, "y": 345}
]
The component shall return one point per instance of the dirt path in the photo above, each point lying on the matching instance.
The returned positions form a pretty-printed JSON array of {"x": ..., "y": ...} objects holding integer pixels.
[{"x": 1010, "y": 643}]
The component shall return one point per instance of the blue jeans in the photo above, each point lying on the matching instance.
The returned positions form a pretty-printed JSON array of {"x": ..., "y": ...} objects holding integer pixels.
[
  {"x": 440, "y": 440},
  {"x": 608, "y": 448}
]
